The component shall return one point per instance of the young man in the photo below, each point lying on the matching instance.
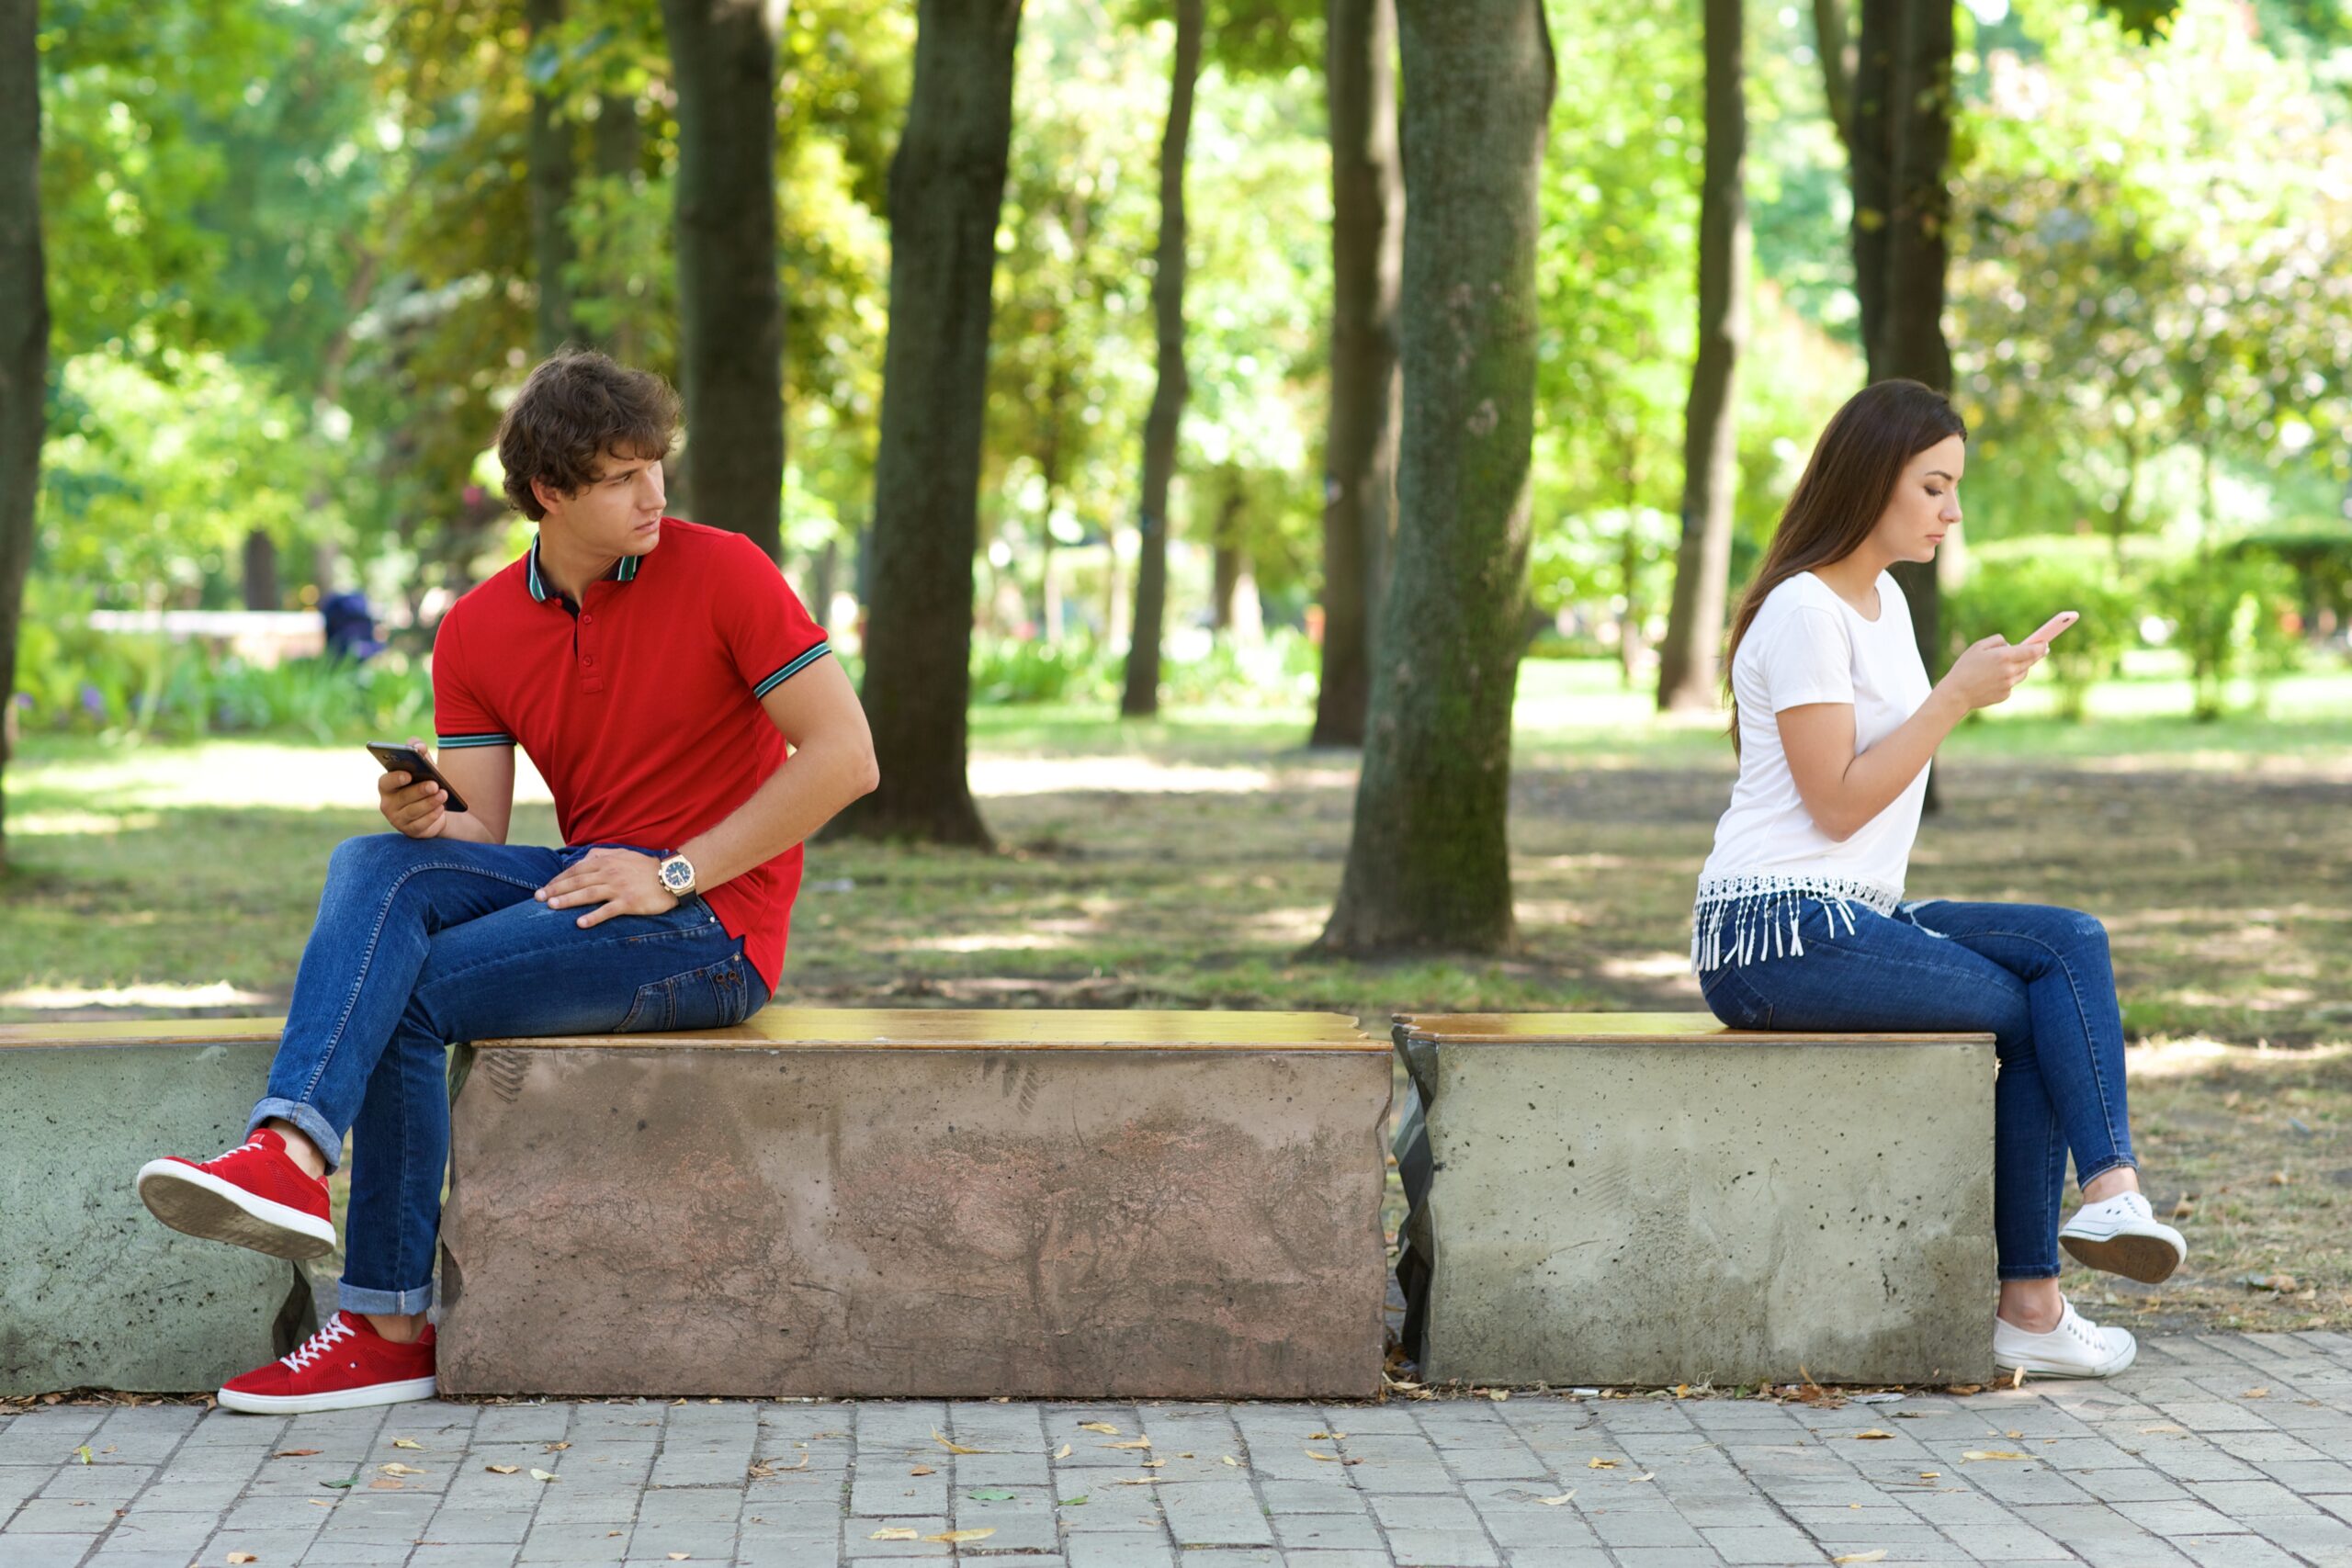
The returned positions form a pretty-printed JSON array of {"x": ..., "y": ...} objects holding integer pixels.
[{"x": 677, "y": 699}]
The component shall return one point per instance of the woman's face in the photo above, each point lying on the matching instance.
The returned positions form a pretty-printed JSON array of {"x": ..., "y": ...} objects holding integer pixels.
[{"x": 1926, "y": 503}]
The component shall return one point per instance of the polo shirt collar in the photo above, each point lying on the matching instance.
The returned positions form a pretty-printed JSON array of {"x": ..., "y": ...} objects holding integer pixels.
[{"x": 539, "y": 584}]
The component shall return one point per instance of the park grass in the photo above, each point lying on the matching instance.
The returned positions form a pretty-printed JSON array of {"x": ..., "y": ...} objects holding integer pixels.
[{"x": 1185, "y": 862}]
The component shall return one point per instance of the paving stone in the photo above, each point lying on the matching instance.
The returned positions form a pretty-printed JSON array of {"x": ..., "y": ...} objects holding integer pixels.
[{"x": 1119, "y": 1550}]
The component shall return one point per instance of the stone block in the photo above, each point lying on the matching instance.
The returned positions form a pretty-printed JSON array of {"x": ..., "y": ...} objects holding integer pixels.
[
  {"x": 922, "y": 1204},
  {"x": 1652, "y": 1199},
  {"x": 94, "y": 1291}
]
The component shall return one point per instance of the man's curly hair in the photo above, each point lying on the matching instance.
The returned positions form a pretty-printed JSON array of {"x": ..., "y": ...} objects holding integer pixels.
[{"x": 577, "y": 408}]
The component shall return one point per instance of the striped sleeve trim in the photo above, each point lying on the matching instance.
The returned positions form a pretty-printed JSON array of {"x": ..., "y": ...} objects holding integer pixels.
[
  {"x": 789, "y": 670},
  {"x": 459, "y": 742}
]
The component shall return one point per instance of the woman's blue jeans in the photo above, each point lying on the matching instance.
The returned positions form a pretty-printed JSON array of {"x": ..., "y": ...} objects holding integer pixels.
[
  {"x": 2039, "y": 980},
  {"x": 421, "y": 941}
]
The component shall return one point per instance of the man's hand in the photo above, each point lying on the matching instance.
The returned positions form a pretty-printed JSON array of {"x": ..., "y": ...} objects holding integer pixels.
[
  {"x": 417, "y": 807},
  {"x": 623, "y": 881}
]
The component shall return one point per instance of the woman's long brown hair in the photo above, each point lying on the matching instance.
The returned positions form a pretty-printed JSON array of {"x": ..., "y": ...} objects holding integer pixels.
[{"x": 1843, "y": 493}]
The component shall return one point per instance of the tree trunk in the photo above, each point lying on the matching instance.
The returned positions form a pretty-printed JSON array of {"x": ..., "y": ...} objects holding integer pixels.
[
  {"x": 1429, "y": 859},
  {"x": 1226, "y": 575},
  {"x": 1830, "y": 39},
  {"x": 946, "y": 186},
  {"x": 551, "y": 167},
  {"x": 24, "y": 337},
  {"x": 1162, "y": 426},
  {"x": 260, "y": 573},
  {"x": 730, "y": 307},
  {"x": 1367, "y": 255},
  {"x": 618, "y": 142},
  {"x": 1871, "y": 149},
  {"x": 1912, "y": 332},
  {"x": 1687, "y": 663}
]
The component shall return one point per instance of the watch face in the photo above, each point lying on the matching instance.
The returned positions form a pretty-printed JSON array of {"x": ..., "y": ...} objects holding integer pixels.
[{"x": 676, "y": 875}]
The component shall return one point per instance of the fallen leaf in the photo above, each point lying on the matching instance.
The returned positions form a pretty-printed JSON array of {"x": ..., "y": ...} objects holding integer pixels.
[
  {"x": 1877, "y": 1556},
  {"x": 1325, "y": 1437},
  {"x": 1965, "y": 1388},
  {"x": 387, "y": 1485},
  {"x": 895, "y": 1533},
  {"x": 2284, "y": 1284},
  {"x": 1155, "y": 1464},
  {"x": 502, "y": 1469},
  {"x": 1097, "y": 1426},
  {"x": 83, "y": 1453},
  {"x": 953, "y": 1536},
  {"x": 1137, "y": 1443},
  {"x": 1600, "y": 1464},
  {"x": 1138, "y": 1481},
  {"x": 2019, "y": 1381},
  {"x": 1873, "y": 1435},
  {"x": 675, "y": 1556},
  {"x": 282, "y": 1453},
  {"x": 954, "y": 1448},
  {"x": 1327, "y": 1458},
  {"x": 1231, "y": 1461},
  {"x": 342, "y": 1485},
  {"x": 1931, "y": 1475},
  {"x": 406, "y": 1443},
  {"x": 1077, "y": 1502},
  {"x": 318, "y": 1502},
  {"x": 1993, "y": 1453},
  {"x": 993, "y": 1495},
  {"x": 1498, "y": 1394},
  {"x": 922, "y": 1470},
  {"x": 242, "y": 1557},
  {"x": 2165, "y": 1426},
  {"x": 396, "y": 1468},
  {"x": 1646, "y": 1475},
  {"x": 1062, "y": 1452},
  {"x": 1556, "y": 1502},
  {"x": 2279, "y": 1179},
  {"x": 553, "y": 1448},
  {"x": 543, "y": 1475},
  {"x": 2256, "y": 1393}
]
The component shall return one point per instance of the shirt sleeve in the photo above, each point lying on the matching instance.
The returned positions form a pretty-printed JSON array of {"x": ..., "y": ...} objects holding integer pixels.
[
  {"x": 460, "y": 716},
  {"x": 1809, "y": 659},
  {"x": 767, "y": 631}
]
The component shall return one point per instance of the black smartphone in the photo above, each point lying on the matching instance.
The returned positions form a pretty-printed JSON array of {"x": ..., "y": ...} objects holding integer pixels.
[{"x": 399, "y": 759}]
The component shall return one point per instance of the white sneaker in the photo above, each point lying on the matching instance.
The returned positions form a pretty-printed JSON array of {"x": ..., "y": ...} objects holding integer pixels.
[
  {"x": 2122, "y": 1235},
  {"x": 2077, "y": 1347}
]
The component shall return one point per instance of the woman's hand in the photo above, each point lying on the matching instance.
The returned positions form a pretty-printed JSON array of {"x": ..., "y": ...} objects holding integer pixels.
[
  {"x": 622, "y": 882},
  {"x": 1990, "y": 670}
]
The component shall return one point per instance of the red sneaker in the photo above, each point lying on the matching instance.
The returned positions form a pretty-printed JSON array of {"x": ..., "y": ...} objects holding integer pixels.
[
  {"x": 252, "y": 1196},
  {"x": 343, "y": 1366}
]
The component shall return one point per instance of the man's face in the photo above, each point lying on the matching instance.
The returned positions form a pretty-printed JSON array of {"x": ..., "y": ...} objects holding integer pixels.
[{"x": 618, "y": 511}]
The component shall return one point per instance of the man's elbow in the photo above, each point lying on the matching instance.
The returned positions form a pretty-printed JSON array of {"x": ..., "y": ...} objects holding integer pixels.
[{"x": 864, "y": 772}]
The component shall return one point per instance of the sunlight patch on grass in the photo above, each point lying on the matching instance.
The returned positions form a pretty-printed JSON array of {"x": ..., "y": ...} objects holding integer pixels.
[
  {"x": 69, "y": 824},
  {"x": 994, "y": 777},
  {"x": 220, "y": 993},
  {"x": 985, "y": 941}
]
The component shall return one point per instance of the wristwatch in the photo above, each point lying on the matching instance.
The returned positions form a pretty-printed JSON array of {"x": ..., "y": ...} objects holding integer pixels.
[{"x": 678, "y": 876}]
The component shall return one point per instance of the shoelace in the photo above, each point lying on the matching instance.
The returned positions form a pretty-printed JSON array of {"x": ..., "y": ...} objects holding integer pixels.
[
  {"x": 318, "y": 1344},
  {"x": 2083, "y": 1332}
]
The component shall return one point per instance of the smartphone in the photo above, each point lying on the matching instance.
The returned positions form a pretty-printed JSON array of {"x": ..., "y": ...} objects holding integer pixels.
[
  {"x": 2050, "y": 628},
  {"x": 399, "y": 759}
]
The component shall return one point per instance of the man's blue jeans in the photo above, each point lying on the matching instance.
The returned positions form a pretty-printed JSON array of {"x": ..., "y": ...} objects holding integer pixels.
[
  {"x": 421, "y": 941},
  {"x": 2037, "y": 979}
]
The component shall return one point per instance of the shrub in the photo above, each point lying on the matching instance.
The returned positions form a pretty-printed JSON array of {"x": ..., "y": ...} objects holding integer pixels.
[
  {"x": 2014, "y": 592},
  {"x": 2231, "y": 614}
]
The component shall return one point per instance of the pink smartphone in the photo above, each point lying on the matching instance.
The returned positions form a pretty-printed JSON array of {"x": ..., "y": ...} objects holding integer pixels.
[{"x": 2050, "y": 628}]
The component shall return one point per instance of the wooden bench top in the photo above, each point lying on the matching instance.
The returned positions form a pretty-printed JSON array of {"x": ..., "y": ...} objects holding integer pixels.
[
  {"x": 830, "y": 1029},
  {"x": 1621, "y": 1028}
]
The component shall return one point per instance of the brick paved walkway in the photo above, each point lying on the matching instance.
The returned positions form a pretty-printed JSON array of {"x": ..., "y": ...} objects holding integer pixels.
[{"x": 2233, "y": 1451}]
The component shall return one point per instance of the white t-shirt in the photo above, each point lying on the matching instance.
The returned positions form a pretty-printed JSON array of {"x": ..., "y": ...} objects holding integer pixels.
[{"x": 1807, "y": 645}]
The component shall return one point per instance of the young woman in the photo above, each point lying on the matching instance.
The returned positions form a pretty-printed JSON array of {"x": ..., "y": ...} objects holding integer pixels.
[{"x": 1800, "y": 922}]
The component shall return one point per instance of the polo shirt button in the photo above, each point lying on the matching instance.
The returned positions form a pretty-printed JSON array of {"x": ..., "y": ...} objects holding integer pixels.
[
  {"x": 588, "y": 662},
  {"x": 587, "y": 620}
]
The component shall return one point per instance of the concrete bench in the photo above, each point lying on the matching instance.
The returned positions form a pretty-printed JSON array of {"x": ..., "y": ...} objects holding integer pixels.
[
  {"x": 1045, "y": 1204},
  {"x": 93, "y": 1291},
  {"x": 1652, "y": 1199}
]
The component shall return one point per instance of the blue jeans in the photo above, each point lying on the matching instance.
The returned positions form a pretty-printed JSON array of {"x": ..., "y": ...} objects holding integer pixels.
[
  {"x": 421, "y": 941},
  {"x": 2037, "y": 979}
]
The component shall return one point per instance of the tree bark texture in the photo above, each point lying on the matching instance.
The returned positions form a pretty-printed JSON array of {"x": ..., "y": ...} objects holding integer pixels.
[
  {"x": 1687, "y": 664},
  {"x": 24, "y": 335},
  {"x": 730, "y": 305},
  {"x": 1429, "y": 859},
  {"x": 947, "y": 185},
  {"x": 1367, "y": 261},
  {"x": 260, "y": 571},
  {"x": 551, "y": 170},
  {"x": 1164, "y": 421},
  {"x": 1871, "y": 147},
  {"x": 1912, "y": 334},
  {"x": 1829, "y": 37}
]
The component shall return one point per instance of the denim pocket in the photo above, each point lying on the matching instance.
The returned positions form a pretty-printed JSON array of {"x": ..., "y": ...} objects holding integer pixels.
[{"x": 717, "y": 996}]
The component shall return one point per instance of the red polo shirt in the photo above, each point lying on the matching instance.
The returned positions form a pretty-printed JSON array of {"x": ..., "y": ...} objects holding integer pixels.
[{"x": 641, "y": 707}]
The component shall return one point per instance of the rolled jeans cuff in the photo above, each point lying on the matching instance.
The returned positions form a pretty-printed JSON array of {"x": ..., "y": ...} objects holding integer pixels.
[
  {"x": 2121, "y": 1162},
  {"x": 391, "y": 1303},
  {"x": 315, "y": 1127}
]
